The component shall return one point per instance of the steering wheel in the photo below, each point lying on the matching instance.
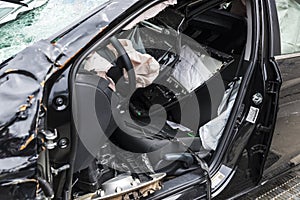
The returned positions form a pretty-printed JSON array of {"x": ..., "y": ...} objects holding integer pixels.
[
  {"x": 125, "y": 133},
  {"x": 124, "y": 62}
]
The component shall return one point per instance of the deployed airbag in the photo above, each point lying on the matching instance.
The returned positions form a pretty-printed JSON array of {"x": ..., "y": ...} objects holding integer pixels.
[
  {"x": 211, "y": 132},
  {"x": 194, "y": 68},
  {"x": 146, "y": 68}
]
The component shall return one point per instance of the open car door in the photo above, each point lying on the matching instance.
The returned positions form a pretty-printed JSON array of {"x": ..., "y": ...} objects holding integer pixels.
[{"x": 269, "y": 46}]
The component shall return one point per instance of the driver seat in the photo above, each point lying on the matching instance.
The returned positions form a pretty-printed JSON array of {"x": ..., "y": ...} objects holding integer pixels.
[
  {"x": 92, "y": 116},
  {"x": 95, "y": 125},
  {"x": 166, "y": 155}
]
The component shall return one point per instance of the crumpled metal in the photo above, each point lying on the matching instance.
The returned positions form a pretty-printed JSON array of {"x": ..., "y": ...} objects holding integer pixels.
[{"x": 23, "y": 79}]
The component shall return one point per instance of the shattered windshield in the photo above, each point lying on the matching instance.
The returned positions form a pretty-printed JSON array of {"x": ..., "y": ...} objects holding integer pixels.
[
  {"x": 4, "y": 11},
  {"x": 40, "y": 23}
]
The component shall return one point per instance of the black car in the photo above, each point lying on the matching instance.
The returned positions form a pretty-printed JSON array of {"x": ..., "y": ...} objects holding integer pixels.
[{"x": 151, "y": 100}]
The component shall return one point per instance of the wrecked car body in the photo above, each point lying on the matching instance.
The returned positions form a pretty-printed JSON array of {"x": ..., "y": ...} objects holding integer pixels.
[{"x": 142, "y": 99}]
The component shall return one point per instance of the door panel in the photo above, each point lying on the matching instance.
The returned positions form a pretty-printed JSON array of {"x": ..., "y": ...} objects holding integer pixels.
[
  {"x": 285, "y": 144},
  {"x": 285, "y": 140}
]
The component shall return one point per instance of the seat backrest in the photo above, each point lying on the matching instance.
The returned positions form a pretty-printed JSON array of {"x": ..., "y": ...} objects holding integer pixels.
[{"x": 92, "y": 116}]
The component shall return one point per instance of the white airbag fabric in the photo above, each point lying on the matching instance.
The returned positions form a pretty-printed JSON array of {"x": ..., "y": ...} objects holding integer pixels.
[
  {"x": 211, "y": 132},
  {"x": 146, "y": 68},
  {"x": 193, "y": 70}
]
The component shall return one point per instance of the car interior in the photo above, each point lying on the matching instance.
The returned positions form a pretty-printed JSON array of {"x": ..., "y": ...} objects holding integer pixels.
[{"x": 155, "y": 128}]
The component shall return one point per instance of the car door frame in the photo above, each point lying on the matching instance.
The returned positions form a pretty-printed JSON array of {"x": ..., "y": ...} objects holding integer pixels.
[
  {"x": 236, "y": 121},
  {"x": 255, "y": 138}
]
